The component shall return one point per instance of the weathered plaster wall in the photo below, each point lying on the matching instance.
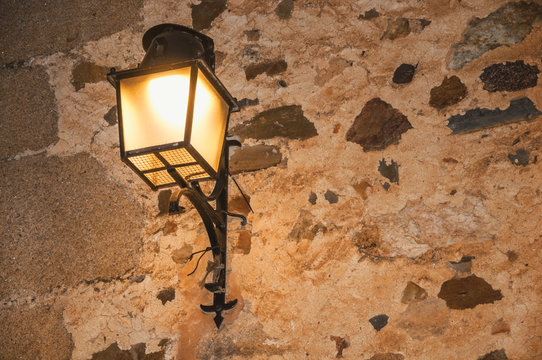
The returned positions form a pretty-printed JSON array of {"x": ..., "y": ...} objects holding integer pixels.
[{"x": 397, "y": 207}]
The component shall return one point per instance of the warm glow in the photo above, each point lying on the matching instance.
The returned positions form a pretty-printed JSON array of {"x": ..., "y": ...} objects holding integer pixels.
[{"x": 167, "y": 94}]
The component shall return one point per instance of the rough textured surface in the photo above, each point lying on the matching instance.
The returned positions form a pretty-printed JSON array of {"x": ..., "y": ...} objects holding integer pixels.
[
  {"x": 79, "y": 235},
  {"x": 467, "y": 293},
  {"x": 27, "y": 109},
  {"x": 378, "y": 126},
  {"x": 285, "y": 121},
  {"x": 137, "y": 352},
  {"x": 87, "y": 72},
  {"x": 284, "y": 9},
  {"x": 521, "y": 109},
  {"x": 510, "y": 76},
  {"x": 494, "y": 355},
  {"x": 59, "y": 26},
  {"x": 252, "y": 158},
  {"x": 520, "y": 158},
  {"x": 205, "y": 12},
  {"x": 404, "y": 74},
  {"x": 449, "y": 92},
  {"x": 34, "y": 332},
  {"x": 391, "y": 171},
  {"x": 379, "y": 321},
  {"x": 508, "y": 25},
  {"x": 269, "y": 67}
]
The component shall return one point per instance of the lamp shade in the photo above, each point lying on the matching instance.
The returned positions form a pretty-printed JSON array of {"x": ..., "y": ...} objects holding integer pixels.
[{"x": 172, "y": 116}]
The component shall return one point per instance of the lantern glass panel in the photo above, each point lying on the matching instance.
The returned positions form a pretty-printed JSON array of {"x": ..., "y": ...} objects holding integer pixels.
[
  {"x": 209, "y": 121},
  {"x": 154, "y": 108}
]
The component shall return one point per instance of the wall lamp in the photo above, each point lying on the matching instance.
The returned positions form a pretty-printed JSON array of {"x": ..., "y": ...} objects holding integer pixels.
[{"x": 173, "y": 117}]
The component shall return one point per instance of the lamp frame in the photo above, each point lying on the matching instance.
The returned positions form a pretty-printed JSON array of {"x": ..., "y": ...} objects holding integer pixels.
[{"x": 114, "y": 77}]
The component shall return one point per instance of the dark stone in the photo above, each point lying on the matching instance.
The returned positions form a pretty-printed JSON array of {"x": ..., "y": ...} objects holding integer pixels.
[
  {"x": 404, "y": 74},
  {"x": 387, "y": 356},
  {"x": 386, "y": 186},
  {"x": 27, "y": 109},
  {"x": 284, "y": 9},
  {"x": 331, "y": 197},
  {"x": 170, "y": 227},
  {"x": 205, "y": 12},
  {"x": 164, "y": 197},
  {"x": 269, "y": 67},
  {"x": 166, "y": 295},
  {"x": 86, "y": 72},
  {"x": 245, "y": 102},
  {"x": 467, "y": 293},
  {"x": 521, "y": 109},
  {"x": 453, "y": 192},
  {"x": 450, "y": 92},
  {"x": 34, "y": 332},
  {"x": 285, "y": 121},
  {"x": 39, "y": 28},
  {"x": 137, "y": 351},
  {"x": 282, "y": 83},
  {"x": 391, "y": 171},
  {"x": 508, "y": 25},
  {"x": 464, "y": 265},
  {"x": 312, "y": 198},
  {"x": 70, "y": 223},
  {"x": 138, "y": 278},
  {"x": 340, "y": 345},
  {"x": 111, "y": 116},
  {"x": 378, "y": 126},
  {"x": 510, "y": 76},
  {"x": 252, "y": 35},
  {"x": 512, "y": 255},
  {"x": 396, "y": 28},
  {"x": 252, "y": 158},
  {"x": 494, "y": 355},
  {"x": 520, "y": 158},
  {"x": 379, "y": 321},
  {"x": 369, "y": 14}
]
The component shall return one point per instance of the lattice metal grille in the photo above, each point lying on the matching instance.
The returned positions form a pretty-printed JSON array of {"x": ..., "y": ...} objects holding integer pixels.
[
  {"x": 159, "y": 177},
  {"x": 146, "y": 162},
  {"x": 178, "y": 156},
  {"x": 192, "y": 172}
]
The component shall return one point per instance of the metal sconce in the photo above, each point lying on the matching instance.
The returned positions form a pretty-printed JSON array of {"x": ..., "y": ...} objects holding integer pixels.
[{"x": 173, "y": 117}]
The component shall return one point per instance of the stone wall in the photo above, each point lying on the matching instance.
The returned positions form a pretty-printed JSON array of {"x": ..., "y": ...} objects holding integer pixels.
[{"x": 391, "y": 153}]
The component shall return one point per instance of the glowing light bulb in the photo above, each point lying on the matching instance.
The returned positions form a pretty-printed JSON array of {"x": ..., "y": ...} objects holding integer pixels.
[{"x": 169, "y": 96}]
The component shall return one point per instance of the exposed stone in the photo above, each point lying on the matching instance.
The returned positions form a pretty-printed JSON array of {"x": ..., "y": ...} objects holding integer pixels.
[
  {"x": 520, "y": 158},
  {"x": 71, "y": 216},
  {"x": 425, "y": 318},
  {"x": 75, "y": 23},
  {"x": 182, "y": 255},
  {"x": 305, "y": 228},
  {"x": 336, "y": 128},
  {"x": 417, "y": 25},
  {"x": 27, "y": 109},
  {"x": 269, "y": 67},
  {"x": 379, "y": 321},
  {"x": 243, "y": 243},
  {"x": 340, "y": 345},
  {"x": 35, "y": 332},
  {"x": 450, "y": 92},
  {"x": 378, "y": 126},
  {"x": 467, "y": 293},
  {"x": 391, "y": 171},
  {"x": 494, "y": 355},
  {"x": 334, "y": 67},
  {"x": 285, "y": 121},
  {"x": 331, "y": 197},
  {"x": 243, "y": 103},
  {"x": 313, "y": 197},
  {"x": 386, "y": 186},
  {"x": 512, "y": 255},
  {"x": 361, "y": 189},
  {"x": 396, "y": 28},
  {"x": 413, "y": 292},
  {"x": 387, "y": 356},
  {"x": 368, "y": 242},
  {"x": 464, "y": 265},
  {"x": 252, "y": 158},
  {"x": 510, "y": 76},
  {"x": 111, "y": 116},
  {"x": 137, "y": 352},
  {"x": 164, "y": 197},
  {"x": 521, "y": 109},
  {"x": 369, "y": 14},
  {"x": 500, "y": 326},
  {"x": 205, "y": 12},
  {"x": 284, "y": 9},
  {"x": 86, "y": 72},
  {"x": 166, "y": 295},
  {"x": 252, "y": 35},
  {"x": 404, "y": 74},
  {"x": 238, "y": 204},
  {"x": 282, "y": 83},
  {"x": 508, "y": 25},
  {"x": 170, "y": 227}
]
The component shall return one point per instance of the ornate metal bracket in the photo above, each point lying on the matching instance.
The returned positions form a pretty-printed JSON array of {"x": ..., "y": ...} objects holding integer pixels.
[{"x": 215, "y": 221}]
